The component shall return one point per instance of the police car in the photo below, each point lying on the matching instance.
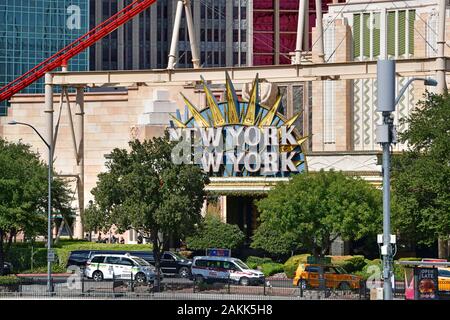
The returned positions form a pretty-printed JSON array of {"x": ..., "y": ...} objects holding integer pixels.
[
  {"x": 224, "y": 269},
  {"x": 119, "y": 266}
]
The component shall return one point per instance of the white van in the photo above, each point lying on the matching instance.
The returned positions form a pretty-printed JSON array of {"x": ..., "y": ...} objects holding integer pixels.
[
  {"x": 119, "y": 266},
  {"x": 224, "y": 269}
]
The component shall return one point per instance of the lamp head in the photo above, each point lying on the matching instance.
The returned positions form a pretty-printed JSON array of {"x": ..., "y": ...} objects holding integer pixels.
[
  {"x": 430, "y": 82},
  {"x": 12, "y": 122}
]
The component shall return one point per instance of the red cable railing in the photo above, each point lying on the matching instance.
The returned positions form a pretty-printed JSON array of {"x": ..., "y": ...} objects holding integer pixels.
[{"x": 62, "y": 57}]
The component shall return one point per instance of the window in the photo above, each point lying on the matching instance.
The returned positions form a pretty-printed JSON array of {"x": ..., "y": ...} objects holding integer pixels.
[
  {"x": 141, "y": 262},
  {"x": 241, "y": 264},
  {"x": 444, "y": 273},
  {"x": 215, "y": 264},
  {"x": 98, "y": 259},
  {"x": 112, "y": 260},
  {"x": 312, "y": 269},
  {"x": 201, "y": 263},
  {"x": 230, "y": 266},
  {"x": 235, "y": 35},
  {"x": 168, "y": 256},
  {"x": 79, "y": 255},
  {"x": 330, "y": 270},
  {"x": 126, "y": 262}
]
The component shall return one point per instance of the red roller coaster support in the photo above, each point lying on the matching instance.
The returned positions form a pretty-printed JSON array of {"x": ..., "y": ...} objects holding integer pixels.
[{"x": 62, "y": 57}]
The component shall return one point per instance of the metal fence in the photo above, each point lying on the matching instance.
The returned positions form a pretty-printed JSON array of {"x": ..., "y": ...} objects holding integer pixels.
[{"x": 76, "y": 287}]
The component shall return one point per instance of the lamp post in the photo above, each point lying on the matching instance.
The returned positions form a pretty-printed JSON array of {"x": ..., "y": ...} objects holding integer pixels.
[
  {"x": 386, "y": 135},
  {"x": 49, "y": 222}
]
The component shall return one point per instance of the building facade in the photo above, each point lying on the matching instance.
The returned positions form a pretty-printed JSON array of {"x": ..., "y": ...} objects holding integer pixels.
[
  {"x": 273, "y": 29},
  {"x": 32, "y": 31},
  {"x": 144, "y": 42}
]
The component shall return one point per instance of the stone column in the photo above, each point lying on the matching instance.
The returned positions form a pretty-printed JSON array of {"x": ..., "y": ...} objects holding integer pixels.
[{"x": 79, "y": 132}]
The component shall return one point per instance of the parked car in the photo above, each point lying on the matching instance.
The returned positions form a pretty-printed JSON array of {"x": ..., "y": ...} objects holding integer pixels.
[
  {"x": 223, "y": 269},
  {"x": 307, "y": 276},
  {"x": 444, "y": 280},
  {"x": 119, "y": 266},
  {"x": 171, "y": 262},
  {"x": 7, "y": 268}
]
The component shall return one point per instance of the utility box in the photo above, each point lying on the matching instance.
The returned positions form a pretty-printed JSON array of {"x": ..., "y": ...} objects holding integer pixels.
[
  {"x": 386, "y": 85},
  {"x": 376, "y": 294},
  {"x": 383, "y": 134}
]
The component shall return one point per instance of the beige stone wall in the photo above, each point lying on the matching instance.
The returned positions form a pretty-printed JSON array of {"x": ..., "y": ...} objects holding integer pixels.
[
  {"x": 342, "y": 97},
  {"x": 111, "y": 121}
]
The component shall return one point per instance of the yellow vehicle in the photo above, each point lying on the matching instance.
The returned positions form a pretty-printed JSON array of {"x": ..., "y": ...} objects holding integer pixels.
[
  {"x": 307, "y": 276},
  {"x": 444, "y": 279}
]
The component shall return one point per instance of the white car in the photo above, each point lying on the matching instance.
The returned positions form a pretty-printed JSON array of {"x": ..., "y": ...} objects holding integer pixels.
[
  {"x": 225, "y": 269},
  {"x": 119, "y": 266}
]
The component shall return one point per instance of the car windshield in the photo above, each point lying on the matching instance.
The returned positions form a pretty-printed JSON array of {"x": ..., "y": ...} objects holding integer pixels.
[
  {"x": 340, "y": 270},
  {"x": 178, "y": 256},
  {"x": 444, "y": 273},
  {"x": 141, "y": 262},
  {"x": 241, "y": 264}
]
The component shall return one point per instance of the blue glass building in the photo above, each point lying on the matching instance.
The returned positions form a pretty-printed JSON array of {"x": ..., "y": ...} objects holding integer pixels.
[{"x": 33, "y": 30}]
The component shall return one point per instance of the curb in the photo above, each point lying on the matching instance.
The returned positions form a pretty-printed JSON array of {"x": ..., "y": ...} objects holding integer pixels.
[{"x": 54, "y": 275}]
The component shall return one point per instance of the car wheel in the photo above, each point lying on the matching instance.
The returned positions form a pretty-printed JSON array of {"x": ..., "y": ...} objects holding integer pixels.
[
  {"x": 183, "y": 272},
  {"x": 97, "y": 276},
  {"x": 302, "y": 284},
  {"x": 244, "y": 281},
  {"x": 140, "y": 278},
  {"x": 345, "y": 286}
]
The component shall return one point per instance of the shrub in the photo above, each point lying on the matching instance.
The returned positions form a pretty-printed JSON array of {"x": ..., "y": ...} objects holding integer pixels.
[
  {"x": 364, "y": 272},
  {"x": 9, "y": 280},
  {"x": 292, "y": 264},
  {"x": 258, "y": 260},
  {"x": 351, "y": 264},
  {"x": 271, "y": 268},
  {"x": 213, "y": 233},
  {"x": 399, "y": 270}
]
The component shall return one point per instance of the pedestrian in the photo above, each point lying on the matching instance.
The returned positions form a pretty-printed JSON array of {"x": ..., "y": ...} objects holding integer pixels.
[{"x": 122, "y": 240}]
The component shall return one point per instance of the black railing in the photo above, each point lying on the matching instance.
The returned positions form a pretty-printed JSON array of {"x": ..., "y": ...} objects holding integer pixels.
[{"x": 183, "y": 288}]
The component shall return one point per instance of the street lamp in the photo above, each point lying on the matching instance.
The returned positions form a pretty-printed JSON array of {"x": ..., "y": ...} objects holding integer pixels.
[
  {"x": 49, "y": 224},
  {"x": 386, "y": 135},
  {"x": 426, "y": 81}
]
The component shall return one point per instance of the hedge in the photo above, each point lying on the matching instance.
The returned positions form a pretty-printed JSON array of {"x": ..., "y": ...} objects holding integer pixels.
[
  {"x": 349, "y": 263},
  {"x": 9, "y": 280},
  {"x": 257, "y": 261},
  {"x": 291, "y": 265},
  {"x": 267, "y": 266},
  {"x": 20, "y": 254},
  {"x": 271, "y": 268}
]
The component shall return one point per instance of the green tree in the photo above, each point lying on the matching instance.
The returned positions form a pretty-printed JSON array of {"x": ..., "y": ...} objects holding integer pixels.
[
  {"x": 207, "y": 235},
  {"x": 421, "y": 175},
  {"x": 312, "y": 210},
  {"x": 23, "y": 195},
  {"x": 94, "y": 220},
  {"x": 145, "y": 191}
]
